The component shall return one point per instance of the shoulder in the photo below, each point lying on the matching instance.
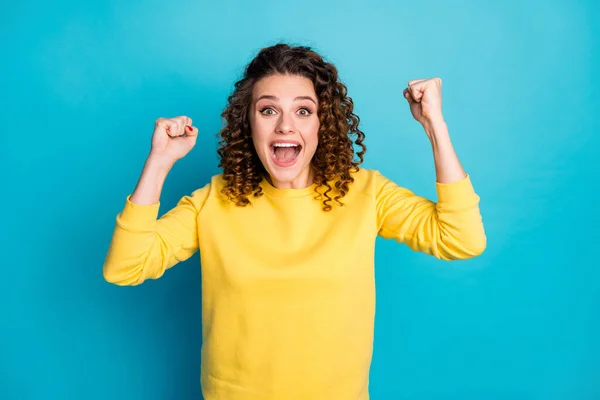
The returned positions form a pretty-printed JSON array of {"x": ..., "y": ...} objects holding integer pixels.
[
  {"x": 366, "y": 178},
  {"x": 364, "y": 183},
  {"x": 365, "y": 174},
  {"x": 210, "y": 191},
  {"x": 215, "y": 183},
  {"x": 373, "y": 183}
]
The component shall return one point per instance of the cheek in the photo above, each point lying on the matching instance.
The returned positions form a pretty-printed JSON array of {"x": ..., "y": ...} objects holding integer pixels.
[
  {"x": 314, "y": 134},
  {"x": 259, "y": 132}
]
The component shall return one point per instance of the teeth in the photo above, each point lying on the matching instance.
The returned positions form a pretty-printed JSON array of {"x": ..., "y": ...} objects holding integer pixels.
[{"x": 284, "y": 145}]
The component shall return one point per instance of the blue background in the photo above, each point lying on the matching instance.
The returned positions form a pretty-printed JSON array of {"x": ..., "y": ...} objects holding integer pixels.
[{"x": 82, "y": 84}]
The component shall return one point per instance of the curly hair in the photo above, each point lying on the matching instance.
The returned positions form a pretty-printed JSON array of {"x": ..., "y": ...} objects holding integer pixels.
[{"x": 334, "y": 159}]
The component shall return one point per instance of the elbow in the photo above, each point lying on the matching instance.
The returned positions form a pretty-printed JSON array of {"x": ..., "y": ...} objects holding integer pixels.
[
  {"x": 478, "y": 242},
  {"x": 466, "y": 248},
  {"x": 475, "y": 248},
  {"x": 132, "y": 271},
  {"x": 116, "y": 280},
  {"x": 122, "y": 276}
]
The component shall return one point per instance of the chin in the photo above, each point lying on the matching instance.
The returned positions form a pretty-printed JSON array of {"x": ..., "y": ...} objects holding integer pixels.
[{"x": 284, "y": 176}]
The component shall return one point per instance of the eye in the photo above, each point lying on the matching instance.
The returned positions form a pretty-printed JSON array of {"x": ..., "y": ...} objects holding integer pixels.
[
  {"x": 305, "y": 112},
  {"x": 265, "y": 109}
]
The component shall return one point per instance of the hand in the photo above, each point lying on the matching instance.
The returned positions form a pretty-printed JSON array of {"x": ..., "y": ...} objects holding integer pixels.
[
  {"x": 173, "y": 138},
  {"x": 425, "y": 99}
]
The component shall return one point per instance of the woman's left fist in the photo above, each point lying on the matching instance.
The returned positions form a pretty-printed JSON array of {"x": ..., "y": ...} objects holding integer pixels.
[{"x": 425, "y": 99}]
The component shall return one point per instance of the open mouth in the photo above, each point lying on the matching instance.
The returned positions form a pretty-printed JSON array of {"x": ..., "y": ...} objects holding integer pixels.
[{"x": 285, "y": 154}]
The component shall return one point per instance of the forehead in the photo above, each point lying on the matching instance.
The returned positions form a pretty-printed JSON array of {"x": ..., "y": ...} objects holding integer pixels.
[{"x": 284, "y": 86}]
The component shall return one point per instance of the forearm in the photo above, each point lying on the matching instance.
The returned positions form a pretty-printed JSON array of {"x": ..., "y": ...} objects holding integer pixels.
[
  {"x": 447, "y": 165},
  {"x": 151, "y": 181}
]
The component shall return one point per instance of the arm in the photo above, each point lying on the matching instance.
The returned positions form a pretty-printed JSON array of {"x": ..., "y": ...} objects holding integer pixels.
[
  {"x": 452, "y": 228},
  {"x": 449, "y": 229},
  {"x": 149, "y": 187},
  {"x": 143, "y": 246},
  {"x": 447, "y": 166},
  {"x": 425, "y": 99}
]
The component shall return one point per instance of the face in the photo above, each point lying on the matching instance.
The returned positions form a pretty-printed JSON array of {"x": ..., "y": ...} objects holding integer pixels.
[{"x": 285, "y": 126}]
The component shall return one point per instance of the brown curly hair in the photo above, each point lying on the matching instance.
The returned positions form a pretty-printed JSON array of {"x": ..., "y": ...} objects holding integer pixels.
[{"x": 334, "y": 158}]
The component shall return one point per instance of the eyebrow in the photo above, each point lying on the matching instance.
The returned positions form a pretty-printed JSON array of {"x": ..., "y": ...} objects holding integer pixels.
[{"x": 268, "y": 96}]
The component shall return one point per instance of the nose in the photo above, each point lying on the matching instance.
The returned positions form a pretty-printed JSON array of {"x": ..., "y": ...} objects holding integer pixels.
[{"x": 285, "y": 125}]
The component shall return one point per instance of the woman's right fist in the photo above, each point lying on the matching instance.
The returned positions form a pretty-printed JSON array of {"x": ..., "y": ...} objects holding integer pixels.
[{"x": 173, "y": 138}]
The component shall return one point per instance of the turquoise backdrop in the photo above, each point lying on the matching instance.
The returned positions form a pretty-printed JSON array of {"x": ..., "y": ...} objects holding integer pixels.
[{"x": 83, "y": 82}]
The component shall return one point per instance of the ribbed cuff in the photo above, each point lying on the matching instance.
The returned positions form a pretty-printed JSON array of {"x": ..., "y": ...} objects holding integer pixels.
[
  {"x": 139, "y": 217},
  {"x": 456, "y": 194}
]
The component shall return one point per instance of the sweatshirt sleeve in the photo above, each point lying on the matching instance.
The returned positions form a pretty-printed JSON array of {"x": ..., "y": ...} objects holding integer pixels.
[
  {"x": 450, "y": 229},
  {"x": 144, "y": 246}
]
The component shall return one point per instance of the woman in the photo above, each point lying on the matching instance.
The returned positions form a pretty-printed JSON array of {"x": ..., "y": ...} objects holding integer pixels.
[{"x": 286, "y": 233}]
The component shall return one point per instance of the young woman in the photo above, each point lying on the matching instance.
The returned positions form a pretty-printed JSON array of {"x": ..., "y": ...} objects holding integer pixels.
[{"x": 287, "y": 232}]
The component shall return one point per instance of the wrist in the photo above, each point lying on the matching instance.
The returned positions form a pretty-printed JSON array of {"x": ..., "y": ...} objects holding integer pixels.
[
  {"x": 159, "y": 162},
  {"x": 436, "y": 127},
  {"x": 438, "y": 135}
]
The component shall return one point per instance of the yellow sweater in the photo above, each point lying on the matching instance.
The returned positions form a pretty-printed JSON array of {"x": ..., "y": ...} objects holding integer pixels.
[{"x": 288, "y": 295}]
